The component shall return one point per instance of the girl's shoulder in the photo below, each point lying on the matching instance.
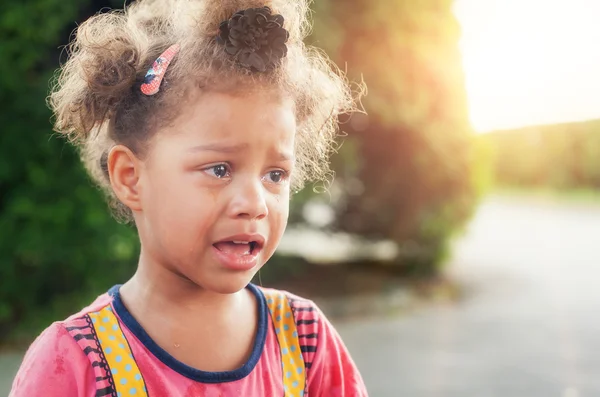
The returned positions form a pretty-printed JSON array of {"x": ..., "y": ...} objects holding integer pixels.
[
  {"x": 57, "y": 360},
  {"x": 300, "y": 317},
  {"x": 64, "y": 332},
  {"x": 301, "y": 324}
]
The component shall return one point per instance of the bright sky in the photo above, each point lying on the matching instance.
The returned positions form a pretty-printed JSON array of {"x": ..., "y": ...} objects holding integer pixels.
[{"x": 530, "y": 61}]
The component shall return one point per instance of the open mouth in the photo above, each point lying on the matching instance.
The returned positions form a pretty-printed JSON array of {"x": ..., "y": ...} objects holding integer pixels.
[{"x": 238, "y": 247}]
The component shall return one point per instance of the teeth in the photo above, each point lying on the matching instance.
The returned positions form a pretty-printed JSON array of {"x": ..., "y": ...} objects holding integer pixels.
[{"x": 240, "y": 242}]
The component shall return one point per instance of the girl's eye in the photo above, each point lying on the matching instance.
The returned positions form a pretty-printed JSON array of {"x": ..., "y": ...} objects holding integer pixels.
[
  {"x": 277, "y": 176},
  {"x": 218, "y": 171}
]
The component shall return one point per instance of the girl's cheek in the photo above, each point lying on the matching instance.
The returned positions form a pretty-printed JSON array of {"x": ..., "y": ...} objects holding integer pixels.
[{"x": 280, "y": 205}]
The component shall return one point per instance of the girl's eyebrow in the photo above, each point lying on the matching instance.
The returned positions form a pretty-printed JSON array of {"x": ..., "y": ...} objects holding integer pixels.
[
  {"x": 219, "y": 147},
  {"x": 223, "y": 148},
  {"x": 282, "y": 156}
]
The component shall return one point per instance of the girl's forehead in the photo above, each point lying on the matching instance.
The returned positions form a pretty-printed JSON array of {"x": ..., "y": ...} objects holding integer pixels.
[
  {"x": 234, "y": 118},
  {"x": 230, "y": 111}
]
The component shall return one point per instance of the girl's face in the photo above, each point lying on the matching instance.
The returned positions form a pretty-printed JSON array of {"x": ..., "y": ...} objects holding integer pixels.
[{"x": 214, "y": 189}]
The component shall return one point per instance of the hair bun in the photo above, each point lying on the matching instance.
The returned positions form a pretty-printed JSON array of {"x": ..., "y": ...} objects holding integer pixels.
[{"x": 254, "y": 38}]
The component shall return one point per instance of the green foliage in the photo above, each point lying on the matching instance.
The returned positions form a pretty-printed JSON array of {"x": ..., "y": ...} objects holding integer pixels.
[
  {"x": 409, "y": 170},
  {"x": 57, "y": 238},
  {"x": 559, "y": 157}
]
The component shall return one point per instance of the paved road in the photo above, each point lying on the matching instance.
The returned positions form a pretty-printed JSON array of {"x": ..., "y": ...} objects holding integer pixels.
[
  {"x": 529, "y": 324},
  {"x": 8, "y": 369}
]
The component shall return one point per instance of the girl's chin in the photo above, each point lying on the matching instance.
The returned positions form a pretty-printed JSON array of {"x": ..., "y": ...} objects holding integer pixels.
[{"x": 223, "y": 281}]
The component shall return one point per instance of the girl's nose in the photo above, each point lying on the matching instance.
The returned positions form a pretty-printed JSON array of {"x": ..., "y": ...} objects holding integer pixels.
[{"x": 249, "y": 201}]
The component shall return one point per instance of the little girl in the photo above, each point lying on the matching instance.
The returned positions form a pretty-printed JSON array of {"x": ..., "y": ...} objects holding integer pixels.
[{"x": 197, "y": 117}]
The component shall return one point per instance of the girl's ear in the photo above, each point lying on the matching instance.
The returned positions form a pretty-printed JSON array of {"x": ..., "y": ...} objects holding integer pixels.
[{"x": 124, "y": 171}]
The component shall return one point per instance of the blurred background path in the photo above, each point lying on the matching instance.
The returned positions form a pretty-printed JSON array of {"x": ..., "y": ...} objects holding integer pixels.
[{"x": 527, "y": 324}]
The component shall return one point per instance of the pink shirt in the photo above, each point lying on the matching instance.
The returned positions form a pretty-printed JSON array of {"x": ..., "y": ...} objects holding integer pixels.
[{"x": 57, "y": 365}]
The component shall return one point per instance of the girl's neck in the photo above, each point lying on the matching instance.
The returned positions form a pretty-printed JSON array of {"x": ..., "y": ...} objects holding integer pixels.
[
  {"x": 191, "y": 323},
  {"x": 164, "y": 290}
]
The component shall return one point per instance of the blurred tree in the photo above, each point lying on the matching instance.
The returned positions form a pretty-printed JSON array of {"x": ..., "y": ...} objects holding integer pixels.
[
  {"x": 56, "y": 236},
  {"x": 408, "y": 170}
]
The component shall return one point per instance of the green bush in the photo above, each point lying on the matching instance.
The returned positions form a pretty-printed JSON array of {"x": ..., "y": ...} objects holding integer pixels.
[{"x": 57, "y": 239}]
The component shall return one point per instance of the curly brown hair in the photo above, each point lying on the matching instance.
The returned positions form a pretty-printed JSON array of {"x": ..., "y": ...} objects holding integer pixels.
[{"x": 97, "y": 101}]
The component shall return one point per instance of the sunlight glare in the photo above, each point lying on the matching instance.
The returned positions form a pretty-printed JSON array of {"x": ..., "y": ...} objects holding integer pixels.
[{"x": 530, "y": 62}]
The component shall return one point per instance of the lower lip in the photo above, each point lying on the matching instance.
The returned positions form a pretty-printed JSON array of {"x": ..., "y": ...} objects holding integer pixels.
[{"x": 237, "y": 262}]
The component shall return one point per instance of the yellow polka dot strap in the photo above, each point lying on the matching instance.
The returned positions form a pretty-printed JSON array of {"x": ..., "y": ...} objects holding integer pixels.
[
  {"x": 128, "y": 380},
  {"x": 294, "y": 372}
]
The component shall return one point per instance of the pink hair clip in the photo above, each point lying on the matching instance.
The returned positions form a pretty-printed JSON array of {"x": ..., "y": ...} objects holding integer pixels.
[{"x": 155, "y": 74}]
